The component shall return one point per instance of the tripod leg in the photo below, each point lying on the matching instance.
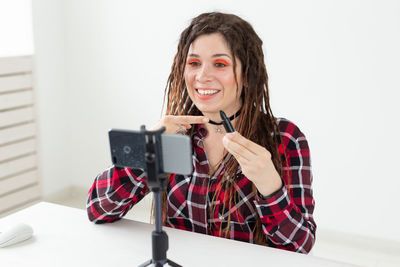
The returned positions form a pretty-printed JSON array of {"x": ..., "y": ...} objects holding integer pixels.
[
  {"x": 147, "y": 263},
  {"x": 173, "y": 264}
]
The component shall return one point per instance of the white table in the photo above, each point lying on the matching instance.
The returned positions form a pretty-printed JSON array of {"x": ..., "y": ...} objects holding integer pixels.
[{"x": 63, "y": 236}]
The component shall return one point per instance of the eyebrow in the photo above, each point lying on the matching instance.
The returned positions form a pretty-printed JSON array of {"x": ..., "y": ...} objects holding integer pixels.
[{"x": 215, "y": 55}]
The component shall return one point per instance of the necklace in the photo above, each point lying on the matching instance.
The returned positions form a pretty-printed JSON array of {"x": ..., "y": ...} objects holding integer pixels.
[{"x": 219, "y": 128}]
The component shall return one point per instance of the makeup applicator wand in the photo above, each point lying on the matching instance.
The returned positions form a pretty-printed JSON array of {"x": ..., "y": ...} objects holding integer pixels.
[{"x": 226, "y": 122}]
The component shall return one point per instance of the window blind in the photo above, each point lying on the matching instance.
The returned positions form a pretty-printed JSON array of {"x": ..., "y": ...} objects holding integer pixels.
[{"x": 19, "y": 176}]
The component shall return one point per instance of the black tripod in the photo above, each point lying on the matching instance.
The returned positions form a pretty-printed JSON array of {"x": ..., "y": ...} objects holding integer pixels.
[{"x": 157, "y": 183}]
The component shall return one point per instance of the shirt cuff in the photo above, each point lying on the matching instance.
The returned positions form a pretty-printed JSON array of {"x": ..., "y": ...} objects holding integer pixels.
[{"x": 273, "y": 204}]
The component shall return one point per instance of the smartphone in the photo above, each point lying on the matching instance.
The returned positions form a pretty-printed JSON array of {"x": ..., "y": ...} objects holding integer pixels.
[{"x": 128, "y": 149}]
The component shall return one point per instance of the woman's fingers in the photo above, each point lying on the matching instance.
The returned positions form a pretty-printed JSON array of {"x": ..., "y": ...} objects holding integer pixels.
[
  {"x": 188, "y": 119},
  {"x": 178, "y": 124},
  {"x": 239, "y": 151},
  {"x": 251, "y": 146},
  {"x": 243, "y": 148},
  {"x": 255, "y": 160}
]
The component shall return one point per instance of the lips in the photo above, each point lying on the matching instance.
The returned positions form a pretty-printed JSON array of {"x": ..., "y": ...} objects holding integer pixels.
[{"x": 206, "y": 93}]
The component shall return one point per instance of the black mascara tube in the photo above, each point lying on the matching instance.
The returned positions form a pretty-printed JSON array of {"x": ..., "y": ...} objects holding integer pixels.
[{"x": 226, "y": 122}]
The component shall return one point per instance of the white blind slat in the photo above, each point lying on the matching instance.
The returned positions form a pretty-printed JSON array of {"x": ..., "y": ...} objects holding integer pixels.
[
  {"x": 16, "y": 116},
  {"x": 11, "y": 65},
  {"x": 17, "y": 99},
  {"x": 11, "y": 83},
  {"x": 17, "y": 149},
  {"x": 18, "y": 181},
  {"x": 9, "y": 168},
  {"x": 19, "y": 197},
  {"x": 16, "y": 133}
]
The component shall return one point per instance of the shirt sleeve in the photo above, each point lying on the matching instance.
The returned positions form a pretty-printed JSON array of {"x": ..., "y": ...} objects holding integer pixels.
[
  {"x": 287, "y": 215},
  {"x": 114, "y": 192}
]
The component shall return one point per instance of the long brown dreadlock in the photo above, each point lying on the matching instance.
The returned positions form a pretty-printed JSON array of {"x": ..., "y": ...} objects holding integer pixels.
[{"x": 256, "y": 121}]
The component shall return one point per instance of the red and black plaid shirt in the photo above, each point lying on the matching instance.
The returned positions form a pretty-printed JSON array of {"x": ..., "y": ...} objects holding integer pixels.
[{"x": 287, "y": 219}]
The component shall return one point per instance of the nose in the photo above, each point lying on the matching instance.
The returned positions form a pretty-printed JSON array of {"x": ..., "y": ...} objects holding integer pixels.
[{"x": 204, "y": 74}]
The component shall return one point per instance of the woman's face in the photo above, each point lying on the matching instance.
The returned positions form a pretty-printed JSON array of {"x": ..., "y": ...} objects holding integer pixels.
[{"x": 209, "y": 76}]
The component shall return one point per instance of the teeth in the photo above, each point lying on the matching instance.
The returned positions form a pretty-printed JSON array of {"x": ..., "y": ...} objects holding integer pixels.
[{"x": 207, "y": 92}]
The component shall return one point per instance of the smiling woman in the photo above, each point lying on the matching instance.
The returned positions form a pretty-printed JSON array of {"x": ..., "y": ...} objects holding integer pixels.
[
  {"x": 209, "y": 76},
  {"x": 253, "y": 185}
]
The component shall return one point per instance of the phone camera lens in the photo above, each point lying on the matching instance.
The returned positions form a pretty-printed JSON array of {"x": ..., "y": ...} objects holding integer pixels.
[{"x": 127, "y": 149}]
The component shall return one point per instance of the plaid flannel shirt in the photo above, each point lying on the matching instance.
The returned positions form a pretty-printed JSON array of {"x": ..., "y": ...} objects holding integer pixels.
[{"x": 287, "y": 219}]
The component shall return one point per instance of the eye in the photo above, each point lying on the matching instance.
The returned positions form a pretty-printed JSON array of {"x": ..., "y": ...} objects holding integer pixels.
[
  {"x": 221, "y": 63},
  {"x": 193, "y": 62}
]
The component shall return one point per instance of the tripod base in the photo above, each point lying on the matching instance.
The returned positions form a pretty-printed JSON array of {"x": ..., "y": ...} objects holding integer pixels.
[
  {"x": 160, "y": 263},
  {"x": 159, "y": 244}
]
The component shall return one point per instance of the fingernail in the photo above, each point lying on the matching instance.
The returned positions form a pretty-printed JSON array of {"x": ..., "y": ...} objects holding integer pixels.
[{"x": 206, "y": 119}]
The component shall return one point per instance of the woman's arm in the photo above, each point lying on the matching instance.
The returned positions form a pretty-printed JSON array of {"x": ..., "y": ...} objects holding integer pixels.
[
  {"x": 287, "y": 219},
  {"x": 114, "y": 192}
]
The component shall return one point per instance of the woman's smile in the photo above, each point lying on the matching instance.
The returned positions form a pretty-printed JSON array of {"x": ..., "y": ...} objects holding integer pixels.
[{"x": 206, "y": 94}]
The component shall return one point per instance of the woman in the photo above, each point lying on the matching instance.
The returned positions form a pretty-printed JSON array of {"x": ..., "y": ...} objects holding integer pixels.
[{"x": 253, "y": 185}]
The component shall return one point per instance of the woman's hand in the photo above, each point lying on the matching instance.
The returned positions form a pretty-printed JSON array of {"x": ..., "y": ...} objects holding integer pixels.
[
  {"x": 179, "y": 124},
  {"x": 255, "y": 161}
]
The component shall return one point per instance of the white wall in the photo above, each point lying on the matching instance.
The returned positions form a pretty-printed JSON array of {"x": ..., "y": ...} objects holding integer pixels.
[
  {"x": 332, "y": 66},
  {"x": 52, "y": 94},
  {"x": 16, "y": 37}
]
